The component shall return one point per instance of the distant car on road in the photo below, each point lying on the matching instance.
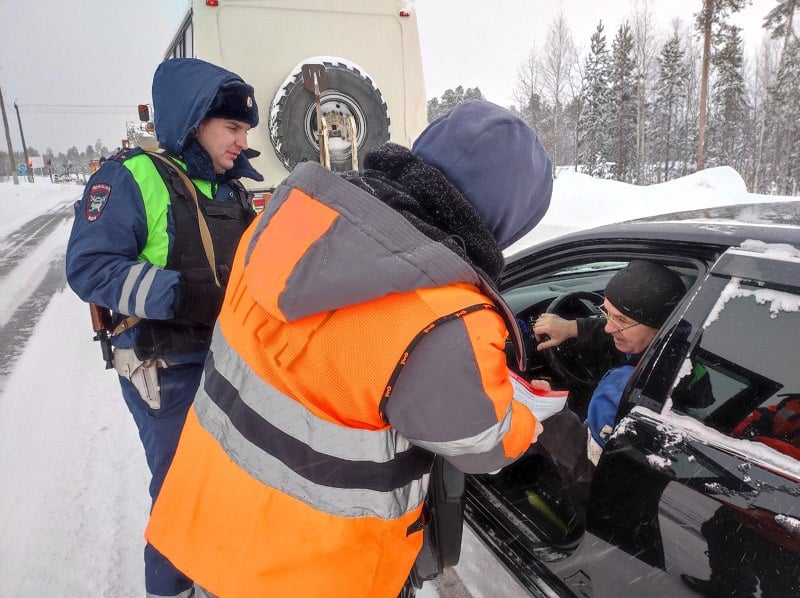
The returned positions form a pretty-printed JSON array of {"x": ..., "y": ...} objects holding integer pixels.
[{"x": 685, "y": 501}]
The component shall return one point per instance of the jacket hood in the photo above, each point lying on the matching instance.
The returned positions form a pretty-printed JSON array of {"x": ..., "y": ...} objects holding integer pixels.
[
  {"x": 183, "y": 91},
  {"x": 339, "y": 246},
  {"x": 323, "y": 243}
]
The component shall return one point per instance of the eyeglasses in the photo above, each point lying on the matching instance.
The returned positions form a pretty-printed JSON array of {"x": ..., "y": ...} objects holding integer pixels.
[{"x": 619, "y": 325}]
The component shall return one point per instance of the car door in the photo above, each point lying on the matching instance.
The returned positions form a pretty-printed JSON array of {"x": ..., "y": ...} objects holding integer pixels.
[
  {"x": 680, "y": 486},
  {"x": 676, "y": 498},
  {"x": 524, "y": 514}
]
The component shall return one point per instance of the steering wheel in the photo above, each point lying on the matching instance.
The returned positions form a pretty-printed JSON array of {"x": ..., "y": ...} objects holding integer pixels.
[{"x": 564, "y": 360}]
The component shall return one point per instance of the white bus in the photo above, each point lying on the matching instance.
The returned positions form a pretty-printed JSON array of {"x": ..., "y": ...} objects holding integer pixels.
[{"x": 371, "y": 57}]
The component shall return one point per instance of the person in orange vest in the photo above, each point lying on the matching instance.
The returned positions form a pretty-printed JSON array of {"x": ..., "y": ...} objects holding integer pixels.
[{"x": 362, "y": 332}]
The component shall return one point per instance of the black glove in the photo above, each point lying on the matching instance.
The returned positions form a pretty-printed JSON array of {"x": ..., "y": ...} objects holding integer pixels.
[{"x": 199, "y": 302}]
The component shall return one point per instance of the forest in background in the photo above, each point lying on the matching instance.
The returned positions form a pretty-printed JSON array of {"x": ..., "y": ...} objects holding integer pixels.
[
  {"x": 650, "y": 106},
  {"x": 645, "y": 107}
]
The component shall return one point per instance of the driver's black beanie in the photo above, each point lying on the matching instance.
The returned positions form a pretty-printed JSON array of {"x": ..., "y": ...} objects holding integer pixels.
[{"x": 646, "y": 292}]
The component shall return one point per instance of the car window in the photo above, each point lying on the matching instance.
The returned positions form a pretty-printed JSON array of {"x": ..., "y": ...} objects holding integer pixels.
[
  {"x": 744, "y": 367},
  {"x": 533, "y": 490}
]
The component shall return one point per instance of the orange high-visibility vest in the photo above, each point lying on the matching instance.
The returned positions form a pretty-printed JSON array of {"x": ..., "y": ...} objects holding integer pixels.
[{"x": 287, "y": 479}]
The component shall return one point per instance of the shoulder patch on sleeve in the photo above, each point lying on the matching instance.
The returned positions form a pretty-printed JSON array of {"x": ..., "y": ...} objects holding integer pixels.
[{"x": 96, "y": 200}]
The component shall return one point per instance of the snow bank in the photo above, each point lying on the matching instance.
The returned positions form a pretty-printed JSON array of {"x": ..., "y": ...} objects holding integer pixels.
[{"x": 580, "y": 201}]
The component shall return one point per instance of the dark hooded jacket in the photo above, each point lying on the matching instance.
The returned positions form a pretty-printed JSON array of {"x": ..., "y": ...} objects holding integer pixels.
[{"x": 132, "y": 245}]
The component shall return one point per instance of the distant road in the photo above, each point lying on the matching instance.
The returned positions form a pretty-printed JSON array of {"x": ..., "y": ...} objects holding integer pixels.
[{"x": 31, "y": 272}]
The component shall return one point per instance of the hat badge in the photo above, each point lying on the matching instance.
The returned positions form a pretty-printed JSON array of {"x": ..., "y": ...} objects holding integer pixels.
[{"x": 249, "y": 102}]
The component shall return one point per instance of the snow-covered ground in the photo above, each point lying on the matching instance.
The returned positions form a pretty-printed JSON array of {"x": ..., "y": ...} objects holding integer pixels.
[{"x": 74, "y": 500}]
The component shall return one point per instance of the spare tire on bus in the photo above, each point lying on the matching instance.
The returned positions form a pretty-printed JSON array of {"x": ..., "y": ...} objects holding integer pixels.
[{"x": 350, "y": 92}]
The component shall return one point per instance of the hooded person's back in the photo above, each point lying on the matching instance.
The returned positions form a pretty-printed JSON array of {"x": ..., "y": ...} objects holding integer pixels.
[{"x": 358, "y": 337}]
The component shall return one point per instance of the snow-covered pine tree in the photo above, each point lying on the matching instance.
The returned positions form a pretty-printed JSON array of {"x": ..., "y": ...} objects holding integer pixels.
[
  {"x": 712, "y": 14},
  {"x": 729, "y": 106},
  {"x": 785, "y": 98},
  {"x": 779, "y": 22},
  {"x": 450, "y": 99},
  {"x": 622, "y": 109},
  {"x": 763, "y": 78},
  {"x": 690, "y": 116},
  {"x": 644, "y": 36},
  {"x": 596, "y": 94},
  {"x": 670, "y": 96},
  {"x": 532, "y": 105}
]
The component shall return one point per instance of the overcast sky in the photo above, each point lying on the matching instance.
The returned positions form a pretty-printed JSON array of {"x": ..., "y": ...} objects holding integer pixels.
[{"x": 78, "y": 69}]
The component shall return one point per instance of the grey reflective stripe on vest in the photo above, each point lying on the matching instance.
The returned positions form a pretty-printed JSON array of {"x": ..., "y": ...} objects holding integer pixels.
[
  {"x": 335, "y": 456},
  {"x": 127, "y": 287},
  {"x": 480, "y": 443}
]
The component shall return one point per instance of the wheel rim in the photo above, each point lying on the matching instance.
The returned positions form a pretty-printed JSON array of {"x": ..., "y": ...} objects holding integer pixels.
[{"x": 335, "y": 103}]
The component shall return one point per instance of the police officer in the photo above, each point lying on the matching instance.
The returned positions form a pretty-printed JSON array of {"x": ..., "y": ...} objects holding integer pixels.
[{"x": 153, "y": 241}]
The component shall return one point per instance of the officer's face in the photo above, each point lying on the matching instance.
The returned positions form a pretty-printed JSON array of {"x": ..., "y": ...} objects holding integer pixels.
[{"x": 224, "y": 140}]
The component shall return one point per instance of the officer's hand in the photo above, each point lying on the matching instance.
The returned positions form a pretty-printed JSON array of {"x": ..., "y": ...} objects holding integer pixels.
[
  {"x": 551, "y": 330},
  {"x": 200, "y": 302}
]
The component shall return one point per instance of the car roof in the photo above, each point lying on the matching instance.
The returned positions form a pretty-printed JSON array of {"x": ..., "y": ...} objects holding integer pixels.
[{"x": 724, "y": 226}]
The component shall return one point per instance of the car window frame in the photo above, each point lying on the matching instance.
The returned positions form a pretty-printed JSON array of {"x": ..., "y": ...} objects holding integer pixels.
[{"x": 651, "y": 388}]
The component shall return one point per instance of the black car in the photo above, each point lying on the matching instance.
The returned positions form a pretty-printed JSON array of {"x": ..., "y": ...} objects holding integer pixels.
[{"x": 682, "y": 503}]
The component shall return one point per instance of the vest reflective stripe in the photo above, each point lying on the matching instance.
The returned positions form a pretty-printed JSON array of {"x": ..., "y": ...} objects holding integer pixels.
[
  {"x": 337, "y": 470},
  {"x": 278, "y": 440},
  {"x": 287, "y": 480},
  {"x": 238, "y": 538},
  {"x": 479, "y": 443}
]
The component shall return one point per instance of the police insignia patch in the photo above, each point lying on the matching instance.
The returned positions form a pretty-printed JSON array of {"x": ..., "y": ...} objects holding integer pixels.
[{"x": 97, "y": 200}]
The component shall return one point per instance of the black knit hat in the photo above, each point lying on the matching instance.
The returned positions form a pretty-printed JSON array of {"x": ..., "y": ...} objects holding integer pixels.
[
  {"x": 646, "y": 292},
  {"x": 235, "y": 100}
]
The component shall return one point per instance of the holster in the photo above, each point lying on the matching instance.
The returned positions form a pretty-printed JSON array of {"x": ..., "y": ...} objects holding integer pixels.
[{"x": 142, "y": 374}]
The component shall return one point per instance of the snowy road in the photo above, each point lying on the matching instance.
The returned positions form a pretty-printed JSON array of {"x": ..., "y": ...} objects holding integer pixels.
[
  {"x": 31, "y": 272},
  {"x": 74, "y": 482},
  {"x": 74, "y": 500}
]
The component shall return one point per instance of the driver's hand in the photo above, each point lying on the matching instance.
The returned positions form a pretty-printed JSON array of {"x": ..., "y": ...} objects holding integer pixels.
[{"x": 551, "y": 330}]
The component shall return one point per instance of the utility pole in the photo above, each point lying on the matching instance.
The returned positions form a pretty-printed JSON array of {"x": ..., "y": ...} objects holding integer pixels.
[
  {"x": 24, "y": 147},
  {"x": 8, "y": 140}
]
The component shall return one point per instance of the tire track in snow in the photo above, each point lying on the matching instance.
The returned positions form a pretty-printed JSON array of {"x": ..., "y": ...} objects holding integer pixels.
[
  {"x": 17, "y": 330},
  {"x": 16, "y": 245},
  {"x": 31, "y": 272}
]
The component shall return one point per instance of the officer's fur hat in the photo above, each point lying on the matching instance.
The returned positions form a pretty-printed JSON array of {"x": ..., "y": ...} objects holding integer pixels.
[{"x": 236, "y": 101}]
